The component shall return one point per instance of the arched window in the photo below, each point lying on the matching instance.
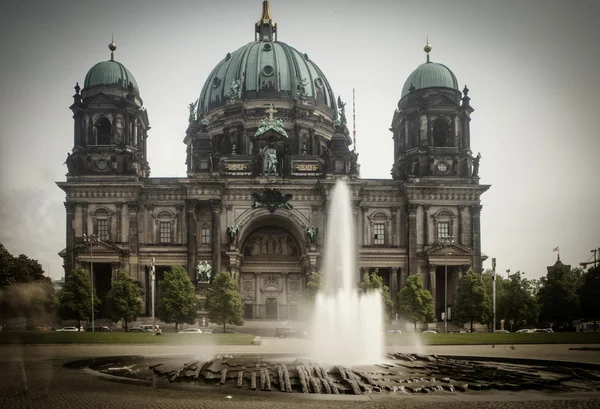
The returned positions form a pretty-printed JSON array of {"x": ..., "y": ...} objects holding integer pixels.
[
  {"x": 205, "y": 234},
  {"x": 443, "y": 221},
  {"x": 379, "y": 223},
  {"x": 103, "y": 131},
  {"x": 101, "y": 220},
  {"x": 442, "y": 133}
]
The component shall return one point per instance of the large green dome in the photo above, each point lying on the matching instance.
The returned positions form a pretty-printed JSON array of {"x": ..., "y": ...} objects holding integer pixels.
[
  {"x": 267, "y": 69},
  {"x": 110, "y": 73},
  {"x": 430, "y": 75}
]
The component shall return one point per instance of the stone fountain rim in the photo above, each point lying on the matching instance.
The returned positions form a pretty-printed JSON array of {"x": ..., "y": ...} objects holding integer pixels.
[{"x": 84, "y": 364}]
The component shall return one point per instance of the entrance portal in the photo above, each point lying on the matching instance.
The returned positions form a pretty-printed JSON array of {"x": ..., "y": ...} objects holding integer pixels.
[{"x": 271, "y": 308}]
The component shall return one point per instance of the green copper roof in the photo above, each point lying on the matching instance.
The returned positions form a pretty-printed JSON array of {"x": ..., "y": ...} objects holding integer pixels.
[
  {"x": 430, "y": 75},
  {"x": 109, "y": 73},
  {"x": 266, "y": 69}
]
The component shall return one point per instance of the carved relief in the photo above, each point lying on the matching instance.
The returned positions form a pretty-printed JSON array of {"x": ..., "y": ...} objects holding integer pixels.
[{"x": 266, "y": 243}]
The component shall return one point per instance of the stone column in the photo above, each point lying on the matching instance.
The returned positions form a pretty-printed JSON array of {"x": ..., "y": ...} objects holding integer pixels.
[
  {"x": 403, "y": 277},
  {"x": 476, "y": 211},
  {"x": 426, "y": 225},
  {"x": 412, "y": 239},
  {"x": 394, "y": 283},
  {"x": 284, "y": 295},
  {"x": 190, "y": 206},
  {"x": 70, "y": 238},
  {"x": 257, "y": 295},
  {"x": 217, "y": 208},
  {"x": 394, "y": 240},
  {"x": 84, "y": 218},
  {"x": 115, "y": 266},
  {"x": 119, "y": 232},
  {"x": 133, "y": 209},
  {"x": 460, "y": 224},
  {"x": 433, "y": 284},
  {"x": 360, "y": 225},
  {"x": 178, "y": 217}
]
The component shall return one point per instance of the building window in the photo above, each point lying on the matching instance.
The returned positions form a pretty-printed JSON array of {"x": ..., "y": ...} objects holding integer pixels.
[
  {"x": 103, "y": 132},
  {"x": 165, "y": 232},
  {"x": 205, "y": 235},
  {"x": 443, "y": 230},
  {"x": 442, "y": 133},
  {"x": 102, "y": 229},
  {"x": 379, "y": 230}
]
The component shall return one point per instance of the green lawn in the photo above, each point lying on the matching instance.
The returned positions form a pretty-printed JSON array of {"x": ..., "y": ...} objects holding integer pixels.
[
  {"x": 486, "y": 338},
  {"x": 31, "y": 337}
]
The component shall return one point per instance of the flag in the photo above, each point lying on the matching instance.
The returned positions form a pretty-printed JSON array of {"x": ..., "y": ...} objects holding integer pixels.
[{"x": 555, "y": 249}]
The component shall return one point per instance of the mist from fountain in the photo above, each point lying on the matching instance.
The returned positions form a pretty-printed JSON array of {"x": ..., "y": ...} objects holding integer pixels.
[{"x": 347, "y": 327}]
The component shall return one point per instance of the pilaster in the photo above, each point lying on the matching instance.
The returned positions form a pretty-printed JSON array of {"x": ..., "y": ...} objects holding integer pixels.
[
  {"x": 217, "y": 209},
  {"x": 433, "y": 284},
  {"x": 133, "y": 209},
  {"x": 476, "y": 211},
  {"x": 412, "y": 239},
  {"x": 393, "y": 282},
  {"x": 70, "y": 237},
  {"x": 190, "y": 206},
  {"x": 119, "y": 230}
]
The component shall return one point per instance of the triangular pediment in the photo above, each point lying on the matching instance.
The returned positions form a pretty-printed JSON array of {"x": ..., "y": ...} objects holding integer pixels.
[
  {"x": 443, "y": 101},
  {"x": 454, "y": 249},
  {"x": 100, "y": 99},
  {"x": 103, "y": 247}
]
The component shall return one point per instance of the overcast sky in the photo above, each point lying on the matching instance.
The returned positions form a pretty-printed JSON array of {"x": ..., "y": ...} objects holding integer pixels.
[{"x": 531, "y": 67}]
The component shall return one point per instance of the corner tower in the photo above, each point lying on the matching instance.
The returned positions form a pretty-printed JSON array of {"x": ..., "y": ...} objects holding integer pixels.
[
  {"x": 431, "y": 127},
  {"x": 111, "y": 125}
]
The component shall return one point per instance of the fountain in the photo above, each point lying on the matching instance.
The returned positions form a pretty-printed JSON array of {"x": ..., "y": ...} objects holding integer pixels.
[
  {"x": 347, "y": 327},
  {"x": 346, "y": 350}
]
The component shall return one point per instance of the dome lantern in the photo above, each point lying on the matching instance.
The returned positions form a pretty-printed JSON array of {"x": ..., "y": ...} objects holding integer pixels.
[{"x": 266, "y": 27}]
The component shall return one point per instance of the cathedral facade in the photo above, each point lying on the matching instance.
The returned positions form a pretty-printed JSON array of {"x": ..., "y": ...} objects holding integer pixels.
[{"x": 266, "y": 142}]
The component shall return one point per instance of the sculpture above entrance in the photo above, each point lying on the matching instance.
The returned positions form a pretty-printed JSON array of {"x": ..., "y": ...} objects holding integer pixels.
[{"x": 271, "y": 199}]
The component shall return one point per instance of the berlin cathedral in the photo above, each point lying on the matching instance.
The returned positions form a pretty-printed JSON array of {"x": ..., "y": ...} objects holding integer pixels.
[{"x": 266, "y": 142}]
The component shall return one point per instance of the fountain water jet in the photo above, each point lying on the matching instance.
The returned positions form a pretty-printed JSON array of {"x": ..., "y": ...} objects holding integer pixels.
[{"x": 347, "y": 327}]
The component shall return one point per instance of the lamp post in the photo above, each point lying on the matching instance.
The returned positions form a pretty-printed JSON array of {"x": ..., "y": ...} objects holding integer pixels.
[
  {"x": 446, "y": 241},
  {"x": 152, "y": 272},
  {"x": 494, "y": 293},
  {"x": 91, "y": 240}
]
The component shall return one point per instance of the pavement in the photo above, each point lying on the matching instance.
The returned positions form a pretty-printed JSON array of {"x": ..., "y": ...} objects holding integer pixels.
[{"x": 33, "y": 376}]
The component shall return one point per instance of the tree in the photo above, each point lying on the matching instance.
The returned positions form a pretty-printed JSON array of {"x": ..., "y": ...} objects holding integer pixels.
[
  {"x": 313, "y": 286},
  {"x": 414, "y": 303},
  {"x": 471, "y": 302},
  {"x": 223, "y": 301},
  {"x": 516, "y": 300},
  {"x": 176, "y": 298},
  {"x": 124, "y": 299},
  {"x": 75, "y": 298},
  {"x": 589, "y": 294},
  {"x": 374, "y": 282},
  {"x": 557, "y": 296},
  {"x": 25, "y": 292}
]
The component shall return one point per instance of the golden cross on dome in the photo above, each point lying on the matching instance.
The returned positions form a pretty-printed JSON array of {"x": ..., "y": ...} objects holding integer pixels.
[{"x": 271, "y": 112}]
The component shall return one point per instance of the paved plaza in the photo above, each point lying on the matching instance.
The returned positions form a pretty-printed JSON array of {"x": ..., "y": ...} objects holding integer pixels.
[{"x": 34, "y": 377}]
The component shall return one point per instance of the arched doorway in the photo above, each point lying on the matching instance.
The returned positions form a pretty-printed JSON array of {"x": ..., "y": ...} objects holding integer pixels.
[{"x": 271, "y": 273}]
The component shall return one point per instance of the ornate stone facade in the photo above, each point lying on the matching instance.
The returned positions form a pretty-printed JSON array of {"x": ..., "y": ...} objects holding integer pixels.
[{"x": 248, "y": 213}]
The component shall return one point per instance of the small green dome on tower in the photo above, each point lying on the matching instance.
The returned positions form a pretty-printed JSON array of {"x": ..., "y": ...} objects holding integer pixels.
[
  {"x": 110, "y": 72},
  {"x": 430, "y": 75}
]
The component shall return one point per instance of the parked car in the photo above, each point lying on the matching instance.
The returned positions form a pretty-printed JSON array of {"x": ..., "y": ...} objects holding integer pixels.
[
  {"x": 148, "y": 328},
  {"x": 429, "y": 331},
  {"x": 544, "y": 330},
  {"x": 502, "y": 331},
  {"x": 525, "y": 331},
  {"x": 101, "y": 328},
  {"x": 70, "y": 329},
  {"x": 289, "y": 332},
  {"x": 191, "y": 331},
  {"x": 394, "y": 331},
  {"x": 136, "y": 329}
]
